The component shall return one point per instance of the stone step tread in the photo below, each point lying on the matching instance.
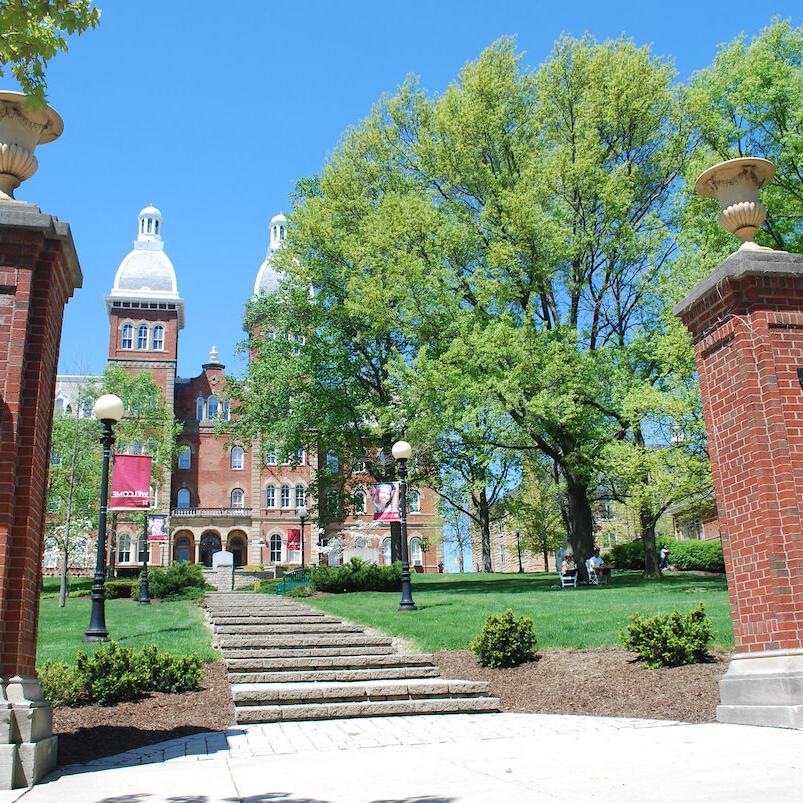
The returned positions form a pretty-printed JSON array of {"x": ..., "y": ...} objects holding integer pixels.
[
  {"x": 363, "y": 690},
  {"x": 277, "y": 713},
  {"x": 335, "y": 675},
  {"x": 271, "y": 619},
  {"x": 329, "y": 662},
  {"x": 307, "y": 640},
  {"x": 303, "y": 652},
  {"x": 258, "y": 629}
]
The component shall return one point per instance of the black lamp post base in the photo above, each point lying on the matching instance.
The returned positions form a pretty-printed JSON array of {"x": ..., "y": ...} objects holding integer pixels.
[
  {"x": 96, "y": 637},
  {"x": 408, "y": 606}
]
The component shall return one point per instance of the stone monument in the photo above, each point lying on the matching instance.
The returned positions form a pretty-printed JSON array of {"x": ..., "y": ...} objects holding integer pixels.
[
  {"x": 38, "y": 272},
  {"x": 746, "y": 320}
]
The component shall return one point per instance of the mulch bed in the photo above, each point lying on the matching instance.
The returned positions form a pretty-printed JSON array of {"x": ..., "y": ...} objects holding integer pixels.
[
  {"x": 605, "y": 682},
  {"x": 94, "y": 731}
]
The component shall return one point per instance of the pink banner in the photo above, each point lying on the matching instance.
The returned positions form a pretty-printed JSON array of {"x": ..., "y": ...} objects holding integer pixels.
[
  {"x": 293, "y": 540},
  {"x": 386, "y": 501},
  {"x": 131, "y": 482}
]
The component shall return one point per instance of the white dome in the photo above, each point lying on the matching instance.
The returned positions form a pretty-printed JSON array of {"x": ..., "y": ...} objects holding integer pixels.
[{"x": 268, "y": 278}]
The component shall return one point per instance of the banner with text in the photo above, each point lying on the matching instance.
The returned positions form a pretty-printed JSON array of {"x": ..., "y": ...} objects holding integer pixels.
[
  {"x": 293, "y": 540},
  {"x": 131, "y": 482},
  {"x": 386, "y": 501},
  {"x": 157, "y": 529}
]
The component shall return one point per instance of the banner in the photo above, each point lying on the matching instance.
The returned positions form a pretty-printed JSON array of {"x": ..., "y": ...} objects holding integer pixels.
[
  {"x": 131, "y": 482},
  {"x": 293, "y": 540},
  {"x": 386, "y": 501},
  {"x": 157, "y": 529}
]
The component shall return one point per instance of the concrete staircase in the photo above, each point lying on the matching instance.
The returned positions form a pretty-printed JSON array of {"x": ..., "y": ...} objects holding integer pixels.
[{"x": 288, "y": 661}]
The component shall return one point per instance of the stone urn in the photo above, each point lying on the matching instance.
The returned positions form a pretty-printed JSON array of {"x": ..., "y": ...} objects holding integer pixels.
[
  {"x": 735, "y": 184},
  {"x": 22, "y": 128}
]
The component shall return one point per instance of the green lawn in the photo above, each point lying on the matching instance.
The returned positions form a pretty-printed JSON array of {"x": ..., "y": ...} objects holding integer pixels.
[
  {"x": 51, "y": 585},
  {"x": 176, "y": 627},
  {"x": 452, "y": 608}
]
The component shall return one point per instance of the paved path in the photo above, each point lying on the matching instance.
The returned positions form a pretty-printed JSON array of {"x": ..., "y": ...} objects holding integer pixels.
[{"x": 445, "y": 759}]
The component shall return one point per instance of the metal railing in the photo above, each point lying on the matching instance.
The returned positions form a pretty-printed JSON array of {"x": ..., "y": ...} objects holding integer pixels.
[{"x": 211, "y": 511}]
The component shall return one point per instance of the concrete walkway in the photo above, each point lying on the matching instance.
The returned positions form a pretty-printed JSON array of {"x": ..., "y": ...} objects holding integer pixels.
[{"x": 440, "y": 759}]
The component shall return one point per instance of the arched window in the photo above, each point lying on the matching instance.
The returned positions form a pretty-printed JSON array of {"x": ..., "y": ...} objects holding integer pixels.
[
  {"x": 123, "y": 548},
  {"x": 270, "y": 496},
  {"x": 51, "y": 553},
  {"x": 58, "y": 406},
  {"x": 142, "y": 337},
  {"x": 149, "y": 226},
  {"x": 359, "y": 503},
  {"x": 158, "y": 343},
  {"x": 184, "y": 457},
  {"x": 270, "y": 457},
  {"x": 127, "y": 338},
  {"x": 199, "y": 409},
  {"x": 238, "y": 499},
  {"x": 183, "y": 499},
  {"x": 414, "y": 502},
  {"x": 237, "y": 458},
  {"x": 211, "y": 407},
  {"x": 301, "y": 495},
  {"x": 361, "y": 543},
  {"x": 300, "y": 457},
  {"x": 275, "y": 548},
  {"x": 225, "y": 410},
  {"x": 386, "y": 553},
  {"x": 415, "y": 551},
  {"x": 285, "y": 501},
  {"x": 155, "y": 226}
]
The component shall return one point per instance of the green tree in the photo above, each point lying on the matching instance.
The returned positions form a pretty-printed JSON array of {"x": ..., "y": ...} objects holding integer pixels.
[{"x": 33, "y": 31}]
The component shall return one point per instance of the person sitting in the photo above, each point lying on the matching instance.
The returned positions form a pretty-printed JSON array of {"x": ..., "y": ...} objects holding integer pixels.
[
  {"x": 663, "y": 560},
  {"x": 567, "y": 567},
  {"x": 599, "y": 568}
]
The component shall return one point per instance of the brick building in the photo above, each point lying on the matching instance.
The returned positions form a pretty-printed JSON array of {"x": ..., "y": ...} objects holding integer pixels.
[{"x": 221, "y": 495}]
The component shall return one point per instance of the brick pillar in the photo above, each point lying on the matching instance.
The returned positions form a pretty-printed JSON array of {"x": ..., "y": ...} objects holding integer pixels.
[
  {"x": 746, "y": 320},
  {"x": 38, "y": 272}
]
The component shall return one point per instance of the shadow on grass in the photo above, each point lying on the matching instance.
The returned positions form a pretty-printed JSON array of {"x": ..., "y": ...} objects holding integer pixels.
[{"x": 154, "y": 633}]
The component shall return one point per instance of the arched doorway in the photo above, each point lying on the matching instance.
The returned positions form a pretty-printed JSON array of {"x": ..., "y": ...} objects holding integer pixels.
[
  {"x": 184, "y": 547},
  {"x": 210, "y": 543},
  {"x": 236, "y": 545}
]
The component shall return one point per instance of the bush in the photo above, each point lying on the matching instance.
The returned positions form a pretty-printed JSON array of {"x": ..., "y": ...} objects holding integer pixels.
[
  {"x": 270, "y": 586},
  {"x": 505, "y": 640},
  {"x": 61, "y": 683},
  {"x": 174, "y": 581},
  {"x": 301, "y": 591},
  {"x": 704, "y": 556},
  {"x": 112, "y": 675},
  {"x": 169, "y": 673},
  {"x": 357, "y": 575},
  {"x": 673, "y": 640},
  {"x": 121, "y": 589}
]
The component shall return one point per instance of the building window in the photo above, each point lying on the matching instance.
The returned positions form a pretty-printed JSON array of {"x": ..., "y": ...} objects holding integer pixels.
[
  {"x": 51, "y": 553},
  {"x": 184, "y": 457},
  {"x": 332, "y": 463},
  {"x": 238, "y": 499},
  {"x": 155, "y": 226},
  {"x": 127, "y": 339},
  {"x": 123, "y": 548},
  {"x": 199, "y": 409},
  {"x": 301, "y": 495},
  {"x": 361, "y": 543},
  {"x": 275, "y": 548},
  {"x": 225, "y": 410},
  {"x": 270, "y": 457},
  {"x": 237, "y": 458},
  {"x": 415, "y": 551},
  {"x": 270, "y": 496},
  {"x": 158, "y": 338},
  {"x": 414, "y": 502},
  {"x": 142, "y": 337},
  {"x": 359, "y": 503},
  {"x": 386, "y": 553},
  {"x": 183, "y": 499},
  {"x": 136, "y": 448},
  {"x": 358, "y": 467},
  {"x": 211, "y": 408},
  {"x": 285, "y": 496}
]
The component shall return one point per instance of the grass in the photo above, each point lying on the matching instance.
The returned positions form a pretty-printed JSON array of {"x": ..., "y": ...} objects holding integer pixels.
[
  {"x": 177, "y": 627},
  {"x": 452, "y": 608},
  {"x": 50, "y": 585}
]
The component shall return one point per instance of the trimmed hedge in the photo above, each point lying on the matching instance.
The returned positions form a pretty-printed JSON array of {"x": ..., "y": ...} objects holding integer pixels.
[
  {"x": 121, "y": 589},
  {"x": 177, "y": 581},
  {"x": 705, "y": 556},
  {"x": 357, "y": 575},
  {"x": 505, "y": 641}
]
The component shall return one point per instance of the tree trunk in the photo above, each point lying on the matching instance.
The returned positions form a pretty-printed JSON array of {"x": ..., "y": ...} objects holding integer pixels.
[
  {"x": 65, "y": 556},
  {"x": 460, "y": 566},
  {"x": 484, "y": 512},
  {"x": 581, "y": 534},
  {"x": 651, "y": 569},
  {"x": 546, "y": 559}
]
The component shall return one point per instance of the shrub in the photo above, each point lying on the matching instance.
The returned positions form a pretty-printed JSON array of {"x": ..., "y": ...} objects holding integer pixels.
[
  {"x": 505, "y": 640},
  {"x": 112, "y": 675},
  {"x": 121, "y": 589},
  {"x": 174, "y": 581},
  {"x": 170, "y": 673},
  {"x": 61, "y": 683},
  {"x": 705, "y": 556},
  {"x": 301, "y": 591},
  {"x": 270, "y": 586},
  {"x": 672, "y": 640},
  {"x": 357, "y": 575}
]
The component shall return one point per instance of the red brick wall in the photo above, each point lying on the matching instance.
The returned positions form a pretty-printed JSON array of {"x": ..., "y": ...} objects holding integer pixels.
[
  {"x": 748, "y": 336},
  {"x": 35, "y": 283}
]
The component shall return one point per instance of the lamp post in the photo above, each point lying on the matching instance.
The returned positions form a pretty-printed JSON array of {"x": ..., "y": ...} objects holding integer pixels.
[
  {"x": 321, "y": 533},
  {"x": 144, "y": 588},
  {"x": 302, "y": 516},
  {"x": 518, "y": 548},
  {"x": 402, "y": 451},
  {"x": 109, "y": 409}
]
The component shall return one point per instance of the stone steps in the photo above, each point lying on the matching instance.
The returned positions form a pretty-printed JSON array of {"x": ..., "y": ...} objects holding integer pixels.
[{"x": 287, "y": 661}]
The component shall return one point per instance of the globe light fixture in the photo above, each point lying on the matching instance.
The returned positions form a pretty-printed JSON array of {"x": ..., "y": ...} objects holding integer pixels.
[
  {"x": 109, "y": 408},
  {"x": 402, "y": 450}
]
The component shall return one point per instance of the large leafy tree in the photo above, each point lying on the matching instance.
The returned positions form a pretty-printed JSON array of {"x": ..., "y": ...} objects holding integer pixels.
[{"x": 33, "y": 31}]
